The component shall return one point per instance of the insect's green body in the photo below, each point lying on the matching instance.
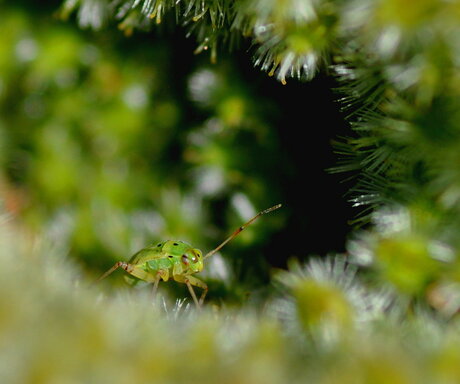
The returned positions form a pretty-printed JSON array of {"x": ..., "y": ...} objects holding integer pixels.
[
  {"x": 174, "y": 260},
  {"x": 167, "y": 259}
]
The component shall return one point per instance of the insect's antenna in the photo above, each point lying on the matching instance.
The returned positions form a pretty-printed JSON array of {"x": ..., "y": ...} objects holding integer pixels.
[{"x": 237, "y": 232}]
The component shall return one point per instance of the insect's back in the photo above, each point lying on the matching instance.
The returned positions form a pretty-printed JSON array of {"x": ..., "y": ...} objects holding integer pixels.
[{"x": 162, "y": 250}]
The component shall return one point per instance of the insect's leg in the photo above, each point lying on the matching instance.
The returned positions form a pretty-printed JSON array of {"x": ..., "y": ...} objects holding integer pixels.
[
  {"x": 201, "y": 284},
  {"x": 115, "y": 267},
  {"x": 191, "y": 281},
  {"x": 131, "y": 269},
  {"x": 205, "y": 291},
  {"x": 155, "y": 285},
  {"x": 192, "y": 292},
  {"x": 161, "y": 274}
]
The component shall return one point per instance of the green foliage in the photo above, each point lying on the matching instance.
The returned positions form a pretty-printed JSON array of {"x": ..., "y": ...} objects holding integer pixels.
[
  {"x": 404, "y": 101},
  {"x": 55, "y": 327},
  {"x": 293, "y": 37},
  {"x": 101, "y": 156},
  {"x": 404, "y": 109}
]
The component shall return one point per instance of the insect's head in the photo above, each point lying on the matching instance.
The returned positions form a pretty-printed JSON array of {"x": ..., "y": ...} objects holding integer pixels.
[{"x": 193, "y": 259}]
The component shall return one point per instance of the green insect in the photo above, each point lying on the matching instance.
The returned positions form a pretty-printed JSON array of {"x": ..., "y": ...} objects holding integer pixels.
[{"x": 176, "y": 260}]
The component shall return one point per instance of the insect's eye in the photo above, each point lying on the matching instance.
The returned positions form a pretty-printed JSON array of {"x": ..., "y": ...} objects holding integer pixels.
[{"x": 196, "y": 255}]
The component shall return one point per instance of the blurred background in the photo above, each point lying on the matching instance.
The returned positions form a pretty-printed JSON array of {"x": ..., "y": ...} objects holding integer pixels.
[
  {"x": 120, "y": 138},
  {"x": 110, "y": 142}
]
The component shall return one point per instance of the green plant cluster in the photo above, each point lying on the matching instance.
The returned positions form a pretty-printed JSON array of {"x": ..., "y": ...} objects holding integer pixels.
[
  {"x": 399, "y": 73},
  {"x": 102, "y": 155},
  {"x": 400, "y": 86},
  {"x": 292, "y": 37},
  {"x": 325, "y": 325}
]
